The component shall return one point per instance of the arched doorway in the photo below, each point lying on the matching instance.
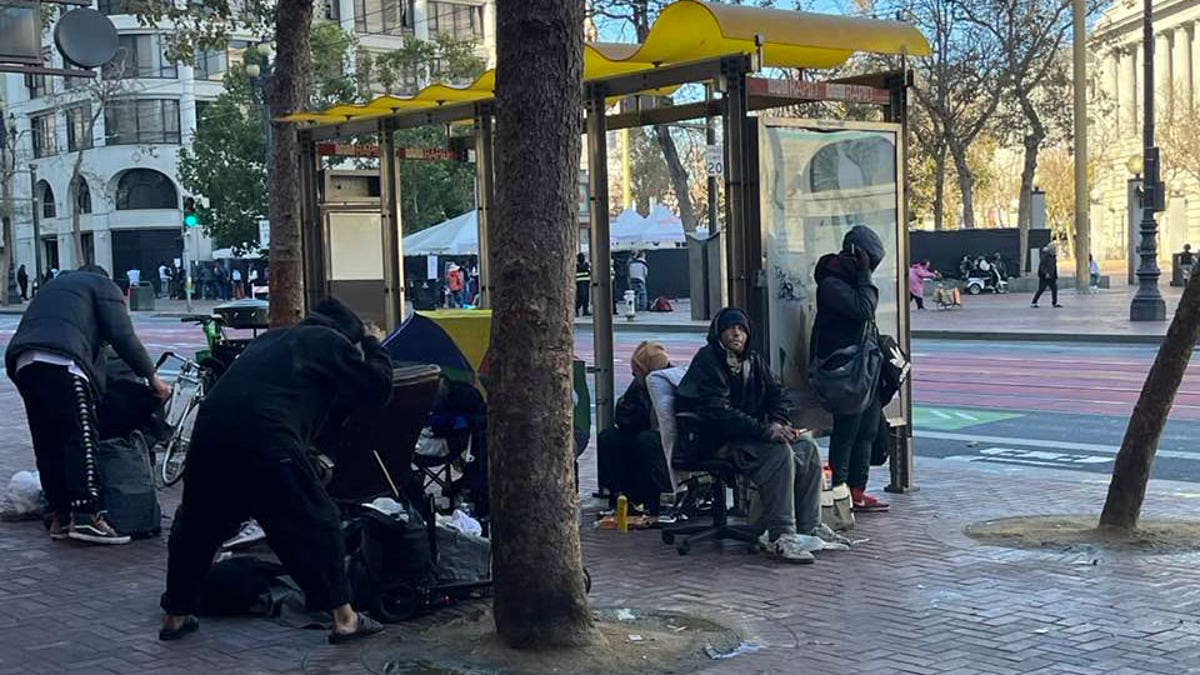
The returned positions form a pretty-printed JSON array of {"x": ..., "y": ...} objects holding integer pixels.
[{"x": 145, "y": 189}]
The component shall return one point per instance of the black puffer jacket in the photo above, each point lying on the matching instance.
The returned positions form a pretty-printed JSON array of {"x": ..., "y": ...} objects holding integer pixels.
[
  {"x": 731, "y": 407},
  {"x": 279, "y": 393},
  {"x": 846, "y": 297},
  {"x": 74, "y": 316}
]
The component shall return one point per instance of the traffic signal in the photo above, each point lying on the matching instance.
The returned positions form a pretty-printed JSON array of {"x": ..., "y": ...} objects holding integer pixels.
[{"x": 189, "y": 213}]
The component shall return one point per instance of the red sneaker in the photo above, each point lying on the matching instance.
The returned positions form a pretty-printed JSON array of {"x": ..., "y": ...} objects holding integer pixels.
[{"x": 865, "y": 503}]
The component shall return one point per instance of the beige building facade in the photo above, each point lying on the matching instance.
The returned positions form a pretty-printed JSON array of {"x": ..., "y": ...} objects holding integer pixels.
[{"x": 1117, "y": 115}]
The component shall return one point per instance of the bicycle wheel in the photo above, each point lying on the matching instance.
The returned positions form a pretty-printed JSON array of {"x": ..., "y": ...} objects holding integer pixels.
[{"x": 175, "y": 450}]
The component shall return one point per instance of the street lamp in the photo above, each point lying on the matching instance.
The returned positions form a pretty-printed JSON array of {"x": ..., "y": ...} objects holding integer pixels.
[
  {"x": 258, "y": 69},
  {"x": 1147, "y": 303}
]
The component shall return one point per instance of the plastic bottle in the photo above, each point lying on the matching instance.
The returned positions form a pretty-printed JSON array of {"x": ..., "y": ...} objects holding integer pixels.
[
  {"x": 828, "y": 477},
  {"x": 622, "y": 514}
]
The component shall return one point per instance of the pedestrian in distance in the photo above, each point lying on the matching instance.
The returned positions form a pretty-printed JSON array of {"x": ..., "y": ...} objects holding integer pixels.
[
  {"x": 23, "y": 283},
  {"x": 917, "y": 274},
  {"x": 846, "y": 301},
  {"x": 57, "y": 362},
  {"x": 238, "y": 289},
  {"x": 1094, "y": 271},
  {"x": 247, "y": 459},
  {"x": 583, "y": 285},
  {"x": 1187, "y": 263},
  {"x": 639, "y": 270},
  {"x": 1048, "y": 275}
]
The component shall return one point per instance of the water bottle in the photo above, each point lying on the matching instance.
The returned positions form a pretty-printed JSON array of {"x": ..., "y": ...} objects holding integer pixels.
[{"x": 622, "y": 514}]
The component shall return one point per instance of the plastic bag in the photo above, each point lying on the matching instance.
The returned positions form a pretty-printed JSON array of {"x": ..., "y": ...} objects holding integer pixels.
[
  {"x": 429, "y": 445},
  {"x": 462, "y": 522},
  {"x": 24, "y": 495}
]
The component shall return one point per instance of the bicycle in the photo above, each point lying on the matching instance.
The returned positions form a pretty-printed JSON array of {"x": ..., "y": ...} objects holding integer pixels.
[{"x": 192, "y": 380}]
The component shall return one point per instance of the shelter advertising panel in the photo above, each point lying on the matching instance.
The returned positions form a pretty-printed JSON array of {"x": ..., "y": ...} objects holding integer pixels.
[{"x": 817, "y": 181}]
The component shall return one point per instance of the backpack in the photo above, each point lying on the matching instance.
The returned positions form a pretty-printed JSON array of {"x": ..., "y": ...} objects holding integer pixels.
[
  {"x": 127, "y": 488},
  {"x": 661, "y": 304},
  {"x": 846, "y": 380},
  {"x": 390, "y": 564}
]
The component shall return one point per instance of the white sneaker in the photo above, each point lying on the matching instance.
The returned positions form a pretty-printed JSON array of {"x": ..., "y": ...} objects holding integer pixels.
[
  {"x": 826, "y": 534},
  {"x": 793, "y": 548},
  {"x": 250, "y": 533}
]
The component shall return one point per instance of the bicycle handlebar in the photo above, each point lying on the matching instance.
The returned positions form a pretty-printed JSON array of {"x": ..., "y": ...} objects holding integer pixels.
[{"x": 200, "y": 318}]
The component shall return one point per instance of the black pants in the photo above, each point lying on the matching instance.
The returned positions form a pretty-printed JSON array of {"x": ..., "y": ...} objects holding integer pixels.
[
  {"x": 1043, "y": 284},
  {"x": 917, "y": 299},
  {"x": 62, "y": 420},
  {"x": 583, "y": 295},
  {"x": 278, "y": 488},
  {"x": 850, "y": 446},
  {"x": 633, "y": 464}
]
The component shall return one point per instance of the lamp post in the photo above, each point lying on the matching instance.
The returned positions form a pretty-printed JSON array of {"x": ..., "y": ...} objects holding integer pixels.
[
  {"x": 1133, "y": 207},
  {"x": 258, "y": 69},
  {"x": 1147, "y": 303},
  {"x": 8, "y": 154}
]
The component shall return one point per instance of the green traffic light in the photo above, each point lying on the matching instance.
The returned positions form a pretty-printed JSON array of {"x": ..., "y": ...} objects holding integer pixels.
[{"x": 190, "y": 220}]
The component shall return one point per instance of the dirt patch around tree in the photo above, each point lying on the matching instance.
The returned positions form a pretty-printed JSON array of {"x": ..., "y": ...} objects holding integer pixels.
[
  {"x": 1065, "y": 533},
  {"x": 633, "y": 641}
]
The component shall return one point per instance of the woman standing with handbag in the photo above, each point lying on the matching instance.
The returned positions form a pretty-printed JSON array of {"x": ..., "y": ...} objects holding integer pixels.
[{"x": 845, "y": 324}]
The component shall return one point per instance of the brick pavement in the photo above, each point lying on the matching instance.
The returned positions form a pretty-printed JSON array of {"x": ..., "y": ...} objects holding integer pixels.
[{"x": 920, "y": 597}]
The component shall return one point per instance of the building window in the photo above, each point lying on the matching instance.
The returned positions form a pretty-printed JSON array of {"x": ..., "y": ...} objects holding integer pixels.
[
  {"x": 39, "y": 85},
  {"x": 383, "y": 17},
  {"x": 79, "y": 123},
  {"x": 213, "y": 64},
  {"x": 333, "y": 11},
  {"x": 145, "y": 189},
  {"x": 46, "y": 196},
  {"x": 459, "y": 21},
  {"x": 114, "y": 7},
  {"x": 44, "y": 140},
  {"x": 139, "y": 56},
  {"x": 83, "y": 196},
  {"x": 142, "y": 121}
]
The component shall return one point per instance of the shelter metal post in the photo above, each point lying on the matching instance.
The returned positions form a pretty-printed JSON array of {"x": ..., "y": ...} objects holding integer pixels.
[
  {"x": 736, "y": 224},
  {"x": 602, "y": 302},
  {"x": 486, "y": 182},
  {"x": 900, "y": 464},
  {"x": 312, "y": 237},
  {"x": 389, "y": 218}
]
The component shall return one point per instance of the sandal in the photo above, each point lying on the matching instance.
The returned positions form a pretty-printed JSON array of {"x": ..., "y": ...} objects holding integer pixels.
[
  {"x": 190, "y": 625},
  {"x": 366, "y": 627}
]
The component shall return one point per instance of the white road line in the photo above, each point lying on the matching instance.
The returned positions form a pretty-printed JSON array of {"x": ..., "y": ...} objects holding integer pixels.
[{"x": 1039, "y": 443}]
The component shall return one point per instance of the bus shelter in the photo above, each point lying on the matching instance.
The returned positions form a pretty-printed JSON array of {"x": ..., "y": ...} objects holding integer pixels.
[{"x": 791, "y": 186}]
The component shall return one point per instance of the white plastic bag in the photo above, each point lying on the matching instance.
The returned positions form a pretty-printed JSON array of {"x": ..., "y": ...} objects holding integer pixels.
[
  {"x": 461, "y": 521},
  {"x": 24, "y": 493},
  {"x": 430, "y": 446}
]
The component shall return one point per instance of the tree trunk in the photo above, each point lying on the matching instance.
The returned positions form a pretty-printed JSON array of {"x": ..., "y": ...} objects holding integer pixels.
[
  {"x": 73, "y": 198},
  {"x": 540, "y": 600},
  {"x": 1131, "y": 470},
  {"x": 8, "y": 222},
  {"x": 939, "y": 190},
  {"x": 1025, "y": 201},
  {"x": 966, "y": 186},
  {"x": 288, "y": 94},
  {"x": 679, "y": 177}
]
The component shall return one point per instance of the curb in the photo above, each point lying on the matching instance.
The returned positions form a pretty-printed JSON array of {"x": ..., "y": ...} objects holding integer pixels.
[{"x": 1085, "y": 338}]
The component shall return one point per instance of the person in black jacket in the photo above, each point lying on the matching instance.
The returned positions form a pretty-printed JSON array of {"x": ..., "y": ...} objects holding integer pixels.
[
  {"x": 846, "y": 301},
  {"x": 1047, "y": 275},
  {"x": 57, "y": 361},
  {"x": 247, "y": 459},
  {"x": 583, "y": 286},
  {"x": 23, "y": 283},
  {"x": 630, "y": 455},
  {"x": 730, "y": 403}
]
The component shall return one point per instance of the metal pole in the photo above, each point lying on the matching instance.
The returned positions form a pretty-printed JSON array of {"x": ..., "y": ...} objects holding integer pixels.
[
  {"x": 312, "y": 237},
  {"x": 187, "y": 268},
  {"x": 486, "y": 188},
  {"x": 710, "y": 138},
  {"x": 602, "y": 317},
  {"x": 1082, "y": 202},
  {"x": 1147, "y": 303},
  {"x": 1133, "y": 206},
  {"x": 736, "y": 226},
  {"x": 389, "y": 182}
]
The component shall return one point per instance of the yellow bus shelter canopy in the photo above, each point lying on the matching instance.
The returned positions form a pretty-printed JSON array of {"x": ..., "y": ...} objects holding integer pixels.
[{"x": 686, "y": 30}]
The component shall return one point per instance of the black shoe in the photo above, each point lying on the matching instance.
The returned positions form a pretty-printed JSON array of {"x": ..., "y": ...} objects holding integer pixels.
[
  {"x": 1058, "y": 306},
  {"x": 190, "y": 625},
  {"x": 92, "y": 528}
]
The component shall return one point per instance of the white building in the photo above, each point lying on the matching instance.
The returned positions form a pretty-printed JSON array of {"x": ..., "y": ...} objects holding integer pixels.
[{"x": 130, "y": 195}]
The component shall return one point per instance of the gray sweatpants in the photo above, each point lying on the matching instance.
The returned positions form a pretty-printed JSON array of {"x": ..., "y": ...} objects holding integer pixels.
[{"x": 788, "y": 480}]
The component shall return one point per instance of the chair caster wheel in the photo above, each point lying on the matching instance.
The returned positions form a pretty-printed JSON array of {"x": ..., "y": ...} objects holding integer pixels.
[
  {"x": 668, "y": 538},
  {"x": 683, "y": 547}
]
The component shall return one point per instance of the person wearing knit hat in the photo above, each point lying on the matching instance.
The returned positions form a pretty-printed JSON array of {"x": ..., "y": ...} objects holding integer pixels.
[
  {"x": 630, "y": 455},
  {"x": 731, "y": 405}
]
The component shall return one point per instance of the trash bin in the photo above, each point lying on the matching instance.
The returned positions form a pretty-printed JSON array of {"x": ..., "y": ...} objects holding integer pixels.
[{"x": 141, "y": 297}]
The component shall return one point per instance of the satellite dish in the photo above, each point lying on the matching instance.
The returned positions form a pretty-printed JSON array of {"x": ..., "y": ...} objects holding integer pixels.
[{"x": 86, "y": 38}]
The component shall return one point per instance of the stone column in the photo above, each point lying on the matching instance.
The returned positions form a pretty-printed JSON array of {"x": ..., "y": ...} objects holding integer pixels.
[
  {"x": 1113, "y": 65},
  {"x": 1181, "y": 67},
  {"x": 1195, "y": 49},
  {"x": 187, "y": 104},
  {"x": 1128, "y": 101},
  {"x": 1162, "y": 72}
]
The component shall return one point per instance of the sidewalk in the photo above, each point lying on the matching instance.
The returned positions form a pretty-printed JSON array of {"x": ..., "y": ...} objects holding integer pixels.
[
  {"x": 162, "y": 307},
  {"x": 1100, "y": 317},
  {"x": 919, "y": 597}
]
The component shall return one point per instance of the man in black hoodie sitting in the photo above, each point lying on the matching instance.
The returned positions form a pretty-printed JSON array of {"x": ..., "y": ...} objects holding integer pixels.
[
  {"x": 247, "y": 459},
  {"x": 730, "y": 403},
  {"x": 57, "y": 361}
]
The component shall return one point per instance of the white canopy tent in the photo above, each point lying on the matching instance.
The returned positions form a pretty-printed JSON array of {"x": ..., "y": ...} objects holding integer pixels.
[{"x": 457, "y": 236}]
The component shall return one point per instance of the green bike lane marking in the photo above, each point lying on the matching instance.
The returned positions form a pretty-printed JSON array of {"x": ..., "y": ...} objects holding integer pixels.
[{"x": 953, "y": 419}]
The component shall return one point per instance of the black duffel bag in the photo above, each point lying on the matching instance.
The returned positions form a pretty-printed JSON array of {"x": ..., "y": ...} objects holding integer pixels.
[
  {"x": 389, "y": 565},
  {"x": 127, "y": 486}
]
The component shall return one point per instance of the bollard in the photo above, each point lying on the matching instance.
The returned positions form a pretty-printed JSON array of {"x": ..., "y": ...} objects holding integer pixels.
[
  {"x": 630, "y": 305},
  {"x": 622, "y": 514}
]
